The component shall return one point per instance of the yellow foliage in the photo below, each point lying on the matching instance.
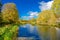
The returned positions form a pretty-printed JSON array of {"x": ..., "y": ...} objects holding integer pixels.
[
  {"x": 56, "y": 7},
  {"x": 46, "y": 17},
  {"x": 46, "y": 22},
  {"x": 32, "y": 21},
  {"x": 9, "y": 12}
]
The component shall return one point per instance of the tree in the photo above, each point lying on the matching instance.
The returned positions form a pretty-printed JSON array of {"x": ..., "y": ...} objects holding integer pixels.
[
  {"x": 32, "y": 21},
  {"x": 9, "y": 16},
  {"x": 0, "y": 6},
  {"x": 56, "y": 7},
  {"x": 10, "y": 13},
  {"x": 46, "y": 22},
  {"x": 0, "y": 13},
  {"x": 46, "y": 17}
]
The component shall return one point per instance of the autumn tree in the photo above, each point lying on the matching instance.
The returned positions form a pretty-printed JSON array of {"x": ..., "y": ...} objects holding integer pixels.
[
  {"x": 10, "y": 13},
  {"x": 46, "y": 22},
  {"x": 56, "y": 9},
  {"x": 32, "y": 21},
  {"x": 46, "y": 17}
]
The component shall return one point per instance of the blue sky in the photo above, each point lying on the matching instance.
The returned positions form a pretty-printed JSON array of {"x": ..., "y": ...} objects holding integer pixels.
[{"x": 28, "y": 8}]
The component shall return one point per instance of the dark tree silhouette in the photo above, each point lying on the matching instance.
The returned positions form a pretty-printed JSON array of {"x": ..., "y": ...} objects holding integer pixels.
[
  {"x": 0, "y": 13},
  {"x": 0, "y": 6}
]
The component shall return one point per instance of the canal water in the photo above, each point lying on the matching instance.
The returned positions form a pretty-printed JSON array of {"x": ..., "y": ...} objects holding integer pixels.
[{"x": 28, "y": 32}]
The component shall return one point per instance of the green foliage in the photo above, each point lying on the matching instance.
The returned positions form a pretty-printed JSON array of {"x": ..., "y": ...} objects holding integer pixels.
[{"x": 7, "y": 33}]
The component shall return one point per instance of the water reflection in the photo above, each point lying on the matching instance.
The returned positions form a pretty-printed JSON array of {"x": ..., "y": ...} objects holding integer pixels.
[
  {"x": 28, "y": 31},
  {"x": 42, "y": 33}
]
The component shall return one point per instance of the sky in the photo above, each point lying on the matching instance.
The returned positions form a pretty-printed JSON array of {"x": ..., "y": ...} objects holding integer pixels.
[{"x": 29, "y": 9}]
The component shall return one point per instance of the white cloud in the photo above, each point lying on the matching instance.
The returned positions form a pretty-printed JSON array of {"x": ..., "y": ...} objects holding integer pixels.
[
  {"x": 45, "y": 5},
  {"x": 31, "y": 15}
]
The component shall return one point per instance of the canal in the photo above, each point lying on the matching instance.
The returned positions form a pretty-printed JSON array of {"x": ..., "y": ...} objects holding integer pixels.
[{"x": 28, "y": 32}]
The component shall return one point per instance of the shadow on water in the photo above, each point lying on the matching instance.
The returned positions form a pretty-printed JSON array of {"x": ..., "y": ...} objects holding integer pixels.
[{"x": 28, "y": 31}]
